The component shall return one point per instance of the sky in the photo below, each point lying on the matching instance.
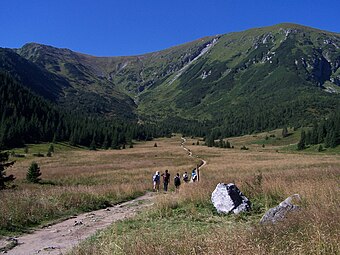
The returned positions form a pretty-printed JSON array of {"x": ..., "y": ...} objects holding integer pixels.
[{"x": 127, "y": 27}]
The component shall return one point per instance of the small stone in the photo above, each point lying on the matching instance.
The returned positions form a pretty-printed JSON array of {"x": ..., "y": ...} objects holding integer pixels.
[
  {"x": 279, "y": 212},
  {"x": 76, "y": 223}
]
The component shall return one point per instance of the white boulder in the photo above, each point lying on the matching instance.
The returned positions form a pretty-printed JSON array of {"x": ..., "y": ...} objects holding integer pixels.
[{"x": 227, "y": 198}]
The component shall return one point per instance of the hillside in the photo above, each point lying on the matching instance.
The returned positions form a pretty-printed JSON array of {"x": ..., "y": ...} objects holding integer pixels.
[
  {"x": 241, "y": 82},
  {"x": 254, "y": 71}
]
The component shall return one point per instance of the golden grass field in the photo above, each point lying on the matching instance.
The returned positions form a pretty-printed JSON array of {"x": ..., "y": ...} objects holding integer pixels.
[
  {"x": 186, "y": 222},
  {"x": 82, "y": 180}
]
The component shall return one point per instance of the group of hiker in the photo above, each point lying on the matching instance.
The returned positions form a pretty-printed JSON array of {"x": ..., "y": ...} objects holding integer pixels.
[{"x": 177, "y": 179}]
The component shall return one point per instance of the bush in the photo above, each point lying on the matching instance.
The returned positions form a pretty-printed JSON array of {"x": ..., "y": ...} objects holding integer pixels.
[
  {"x": 244, "y": 148},
  {"x": 38, "y": 154}
]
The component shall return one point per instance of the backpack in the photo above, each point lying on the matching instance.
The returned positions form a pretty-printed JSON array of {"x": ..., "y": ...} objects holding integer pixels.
[
  {"x": 155, "y": 178},
  {"x": 185, "y": 177},
  {"x": 177, "y": 181}
]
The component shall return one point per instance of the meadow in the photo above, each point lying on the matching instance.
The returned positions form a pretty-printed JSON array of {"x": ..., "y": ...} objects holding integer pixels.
[
  {"x": 76, "y": 180},
  {"x": 187, "y": 223}
]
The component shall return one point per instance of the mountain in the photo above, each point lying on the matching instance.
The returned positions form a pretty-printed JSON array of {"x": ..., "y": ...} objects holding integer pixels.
[{"x": 260, "y": 78}]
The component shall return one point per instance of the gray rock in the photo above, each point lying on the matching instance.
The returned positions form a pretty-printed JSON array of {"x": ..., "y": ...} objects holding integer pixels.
[
  {"x": 227, "y": 198},
  {"x": 279, "y": 212}
]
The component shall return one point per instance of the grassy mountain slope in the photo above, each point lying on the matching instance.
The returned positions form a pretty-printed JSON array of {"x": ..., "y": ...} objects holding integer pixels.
[
  {"x": 34, "y": 77},
  {"x": 274, "y": 66},
  {"x": 107, "y": 85},
  {"x": 267, "y": 76}
]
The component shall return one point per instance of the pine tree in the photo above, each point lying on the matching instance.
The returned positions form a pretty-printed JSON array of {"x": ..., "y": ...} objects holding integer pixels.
[
  {"x": 314, "y": 134},
  {"x": 284, "y": 132},
  {"x": 3, "y": 165},
  {"x": 302, "y": 143},
  {"x": 221, "y": 143},
  {"x": 50, "y": 149},
  {"x": 105, "y": 143},
  {"x": 308, "y": 138},
  {"x": 210, "y": 142},
  {"x": 33, "y": 173},
  {"x": 93, "y": 145},
  {"x": 330, "y": 140}
]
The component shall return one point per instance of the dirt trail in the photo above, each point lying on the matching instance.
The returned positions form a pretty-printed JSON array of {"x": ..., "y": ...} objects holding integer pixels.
[
  {"x": 190, "y": 152},
  {"x": 61, "y": 237}
]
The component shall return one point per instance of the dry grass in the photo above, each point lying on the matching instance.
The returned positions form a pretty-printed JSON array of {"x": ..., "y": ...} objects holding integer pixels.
[
  {"x": 186, "y": 223},
  {"x": 80, "y": 180}
]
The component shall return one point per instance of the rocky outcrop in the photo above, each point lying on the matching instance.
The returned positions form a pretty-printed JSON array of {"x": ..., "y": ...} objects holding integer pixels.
[
  {"x": 227, "y": 198},
  {"x": 279, "y": 212}
]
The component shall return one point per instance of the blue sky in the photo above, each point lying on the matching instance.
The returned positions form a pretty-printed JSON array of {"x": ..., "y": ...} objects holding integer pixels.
[{"x": 127, "y": 27}]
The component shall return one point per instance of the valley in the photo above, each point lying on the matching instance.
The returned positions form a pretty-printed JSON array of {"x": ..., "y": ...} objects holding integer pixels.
[
  {"x": 259, "y": 108},
  {"x": 76, "y": 180}
]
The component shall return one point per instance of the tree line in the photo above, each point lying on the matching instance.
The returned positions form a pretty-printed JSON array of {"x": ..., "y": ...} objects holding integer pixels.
[
  {"x": 325, "y": 132},
  {"x": 28, "y": 118}
]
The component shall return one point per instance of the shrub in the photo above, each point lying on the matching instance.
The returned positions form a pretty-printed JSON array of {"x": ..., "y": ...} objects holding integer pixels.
[
  {"x": 38, "y": 154},
  {"x": 244, "y": 148}
]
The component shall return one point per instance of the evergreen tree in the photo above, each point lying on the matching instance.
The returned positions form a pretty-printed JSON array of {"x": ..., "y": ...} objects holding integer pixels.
[
  {"x": 93, "y": 145},
  {"x": 105, "y": 143},
  {"x": 308, "y": 137},
  {"x": 51, "y": 148},
  {"x": 33, "y": 173},
  {"x": 321, "y": 132},
  {"x": 284, "y": 132},
  {"x": 221, "y": 143},
  {"x": 3, "y": 165},
  {"x": 210, "y": 142},
  {"x": 330, "y": 140},
  {"x": 114, "y": 143},
  {"x": 302, "y": 143},
  {"x": 314, "y": 134}
]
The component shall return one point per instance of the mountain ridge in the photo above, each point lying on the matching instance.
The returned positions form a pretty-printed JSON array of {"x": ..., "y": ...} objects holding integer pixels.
[{"x": 218, "y": 78}]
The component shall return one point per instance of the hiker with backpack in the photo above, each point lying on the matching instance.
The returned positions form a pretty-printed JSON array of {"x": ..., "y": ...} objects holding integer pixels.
[
  {"x": 177, "y": 182},
  {"x": 194, "y": 175},
  {"x": 166, "y": 180},
  {"x": 156, "y": 181},
  {"x": 185, "y": 177}
]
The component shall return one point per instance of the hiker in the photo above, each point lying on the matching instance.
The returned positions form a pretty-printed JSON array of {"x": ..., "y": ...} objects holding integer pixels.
[
  {"x": 166, "y": 180},
  {"x": 177, "y": 181},
  {"x": 185, "y": 177},
  {"x": 156, "y": 181},
  {"x": 194, "y": 175}
]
